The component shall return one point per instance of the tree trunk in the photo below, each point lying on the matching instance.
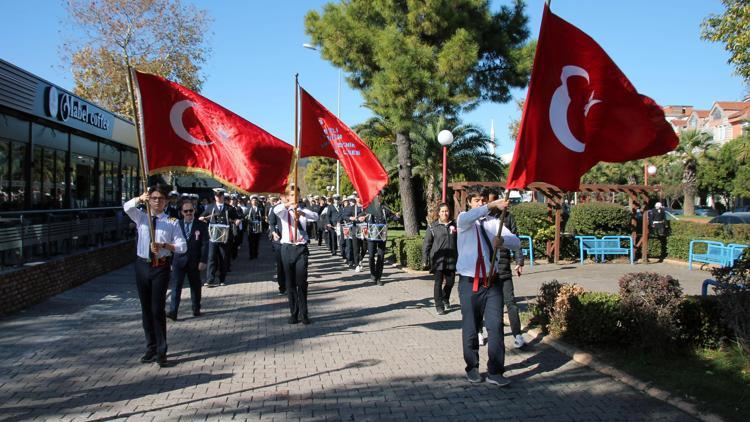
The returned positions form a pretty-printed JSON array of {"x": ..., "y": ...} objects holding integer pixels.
[
  {"x": 688, "y": 187},
  {"x": 431, "y": 197},
  {"x": 406, "y": 184}
]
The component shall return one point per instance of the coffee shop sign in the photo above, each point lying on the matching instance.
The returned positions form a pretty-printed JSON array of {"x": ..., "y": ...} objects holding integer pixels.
[{"x": 64, "y": 106}]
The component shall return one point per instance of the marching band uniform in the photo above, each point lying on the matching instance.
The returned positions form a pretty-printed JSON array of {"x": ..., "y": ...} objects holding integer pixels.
[
  {"x": 152, "y": 276},
  {"x": 312, "y": 226},
  {"x": 218, "y": 253},
  {"x": 322, "y": 206},
  {"x": 274, "y": 227},
  {"x": 347, "y": 251},
  {"x": 334, "y": 217},
  {"x": 294, "y": 256},
  {"x": 358, "y": 245},
  {"x": 254, "y": 216},
  {"x": 171, "y": 208},
  {"x": 196, "y": 234},
  {"x": 377, "y": 213}
]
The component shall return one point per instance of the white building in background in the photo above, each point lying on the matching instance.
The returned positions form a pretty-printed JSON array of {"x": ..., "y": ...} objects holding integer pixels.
[{"x": 725, "y": 120}]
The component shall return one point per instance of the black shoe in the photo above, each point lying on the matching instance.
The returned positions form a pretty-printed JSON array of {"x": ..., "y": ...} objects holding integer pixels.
[
  {"x": 209, "y": 285},
  {"x": 172, "y": 316},
  {"x": 162, "y": 361},
  {"x": 380, "y": 282},
  {"x": 149, "y": 357},
  {"x": 373, "y": 280},
  {"x": 282, "y": 292},
  {"x": 306, "y": 320},
  {"x": 441, "y": 311},
  {"x": 197, "y": 313},
  {"x": 292, "y": 320}
]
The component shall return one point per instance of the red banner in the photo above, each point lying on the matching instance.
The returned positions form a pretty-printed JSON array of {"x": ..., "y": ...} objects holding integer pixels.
[
  {"x": 324, "y": 135},
  {"x": 580, "y": 110},
  {"x": 186, "y": 132}
]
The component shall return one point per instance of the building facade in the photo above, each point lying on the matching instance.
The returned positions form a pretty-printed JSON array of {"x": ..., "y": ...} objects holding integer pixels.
[{"x": 59, "y": 151}]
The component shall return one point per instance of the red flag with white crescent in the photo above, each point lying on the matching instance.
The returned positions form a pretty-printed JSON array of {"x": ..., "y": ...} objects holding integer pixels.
[
  {"x": 580, "y": 110},
  {"x": 186, "y": 132},
  {"x": 324, "y": 135}
]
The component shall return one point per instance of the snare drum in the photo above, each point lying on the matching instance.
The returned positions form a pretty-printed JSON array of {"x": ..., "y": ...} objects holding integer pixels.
[
  {"x": 377, "y": 232},
  {"x": 361, "y": 231},
  {"x": 346, "y": 231},
  {"x": 218, "y": 233},
  {"x": 256, "y": 227}
]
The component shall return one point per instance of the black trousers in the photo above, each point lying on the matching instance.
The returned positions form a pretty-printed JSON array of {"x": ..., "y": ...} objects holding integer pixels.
[
  {"x": 333, "y": 240},
  {"x": 294, "y": 258},
  {"x": 218, "y": 261},
  {"x": 443, "y": 293},
  {"x": 376, "y": 250},
  {"x": 485, "y": 304},
  {"x": 235, "y": 243},
  {"x": 511, "y": 306},
  {"x": 319, "y": 234},
  {"x": 178, "y": 279},
  {"x": 253, "y": 239},
  {"x": 279, "y": 266},
  {"x": 152, "y": 286}
]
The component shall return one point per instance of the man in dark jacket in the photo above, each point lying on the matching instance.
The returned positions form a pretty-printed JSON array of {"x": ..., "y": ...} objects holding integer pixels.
[
  {"x": 255, "y": 226},
  {"x": 190, "y": 263},
  {"x": 218, "y": 249},
  {"x": 274, "y": 234},
  {"x": 439, "y": 253},
  {"x": 377, "y": 215},
  {"x": 334, "y": 217},
  {"x": 660, "y": 228}
]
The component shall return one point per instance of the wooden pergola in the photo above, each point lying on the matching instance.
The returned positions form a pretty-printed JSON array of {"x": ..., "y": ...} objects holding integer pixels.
[{"x": 554, "y": 197}]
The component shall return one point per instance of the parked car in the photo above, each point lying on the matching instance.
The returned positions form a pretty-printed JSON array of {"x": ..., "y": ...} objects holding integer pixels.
[
  {"x": 742, "y": 209},
  {"x": 732, "y": 218},
  {"x": 706, "y": 212}
]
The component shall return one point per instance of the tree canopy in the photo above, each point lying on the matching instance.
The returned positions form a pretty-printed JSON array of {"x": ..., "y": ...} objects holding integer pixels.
[{"x": 731, "y": 29}]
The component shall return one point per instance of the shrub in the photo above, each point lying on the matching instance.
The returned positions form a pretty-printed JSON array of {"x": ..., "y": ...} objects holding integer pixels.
[
  {"x": 594, "y": 318},
  {"x": 412, "y": 252},
  {"x": 733, "y": 294},
  {"x": 699, "y": 322},
  {"x": 648, "y": 304},
  {"x": 545, "y": 302},
  {"x": 532, "y": 220},
  {"x": 558, "y": 324},
  {"x": 598, "y": 219}
]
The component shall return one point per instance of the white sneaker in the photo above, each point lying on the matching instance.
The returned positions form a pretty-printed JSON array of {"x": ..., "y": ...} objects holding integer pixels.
[
  {"x": 482, "y": 339},
  {"x": 519, "y": 342},
  {"x": 358, "y": 269}
]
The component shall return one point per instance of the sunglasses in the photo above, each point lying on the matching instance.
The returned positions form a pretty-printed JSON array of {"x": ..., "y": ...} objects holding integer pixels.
[{"x": 188, "y": 211}]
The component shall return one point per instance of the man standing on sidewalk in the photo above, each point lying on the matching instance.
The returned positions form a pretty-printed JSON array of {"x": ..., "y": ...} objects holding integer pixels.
[
  {"x": 482, "y": 296},
  {"x": 191, "y": 263},
  {"x": 152, "y": 267}
]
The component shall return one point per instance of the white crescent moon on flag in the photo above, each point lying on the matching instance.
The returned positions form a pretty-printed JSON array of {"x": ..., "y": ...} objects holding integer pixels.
[
  {"x": 558, "y": 109},
  {"x": 175, "y": 119}
]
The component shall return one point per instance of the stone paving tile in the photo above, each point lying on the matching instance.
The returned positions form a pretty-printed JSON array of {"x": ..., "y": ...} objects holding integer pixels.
[{"x": 372, "y": 353}]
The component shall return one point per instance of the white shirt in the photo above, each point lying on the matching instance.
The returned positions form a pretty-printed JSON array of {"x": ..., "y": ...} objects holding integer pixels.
[
  {"x": 467, "y": 223},
  {"x": 166, "y": 230},
  {"x": 287, "y": 232}
]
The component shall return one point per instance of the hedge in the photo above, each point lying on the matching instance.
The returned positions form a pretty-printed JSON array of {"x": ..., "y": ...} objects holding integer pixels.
[
  {"x": 598, "y": 219},
  {"x": 683, "y": 232},
  {"x": 408, "y": 251},
  {"x": 532, "y": 220}
]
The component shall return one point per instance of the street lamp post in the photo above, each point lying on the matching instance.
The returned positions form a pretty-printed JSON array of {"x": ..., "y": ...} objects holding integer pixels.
[
  {"x": 338, "y": 114},
  {"x": 648, "y": 170},
  {"x": 445, "y": 138}
]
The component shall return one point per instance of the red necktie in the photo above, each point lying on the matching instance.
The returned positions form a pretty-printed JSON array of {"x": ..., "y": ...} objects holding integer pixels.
[
  {"x": 289, "y": 220},
  {"x": 480, "y": 261}
]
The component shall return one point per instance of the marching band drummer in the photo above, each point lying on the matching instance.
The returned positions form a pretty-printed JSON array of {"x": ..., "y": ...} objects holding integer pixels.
[
  {"x": 221, "y": 216},
  {"x": 378, "y": 215},
  {"x": 255, "y": 223},
  {"x": 332, "y": 228},
  {"x": 152, "y": 267},
  {"x": 294, "y": 252}
]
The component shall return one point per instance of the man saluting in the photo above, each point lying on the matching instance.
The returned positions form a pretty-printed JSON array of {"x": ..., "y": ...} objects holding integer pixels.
[{"x": 152, "y": 267}]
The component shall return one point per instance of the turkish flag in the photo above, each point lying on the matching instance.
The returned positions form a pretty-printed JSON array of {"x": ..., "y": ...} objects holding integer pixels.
[
  {"x": 323, "y": 135},
  {"x": 186, "y": 132},
  {"x": 581, "y": 109}
]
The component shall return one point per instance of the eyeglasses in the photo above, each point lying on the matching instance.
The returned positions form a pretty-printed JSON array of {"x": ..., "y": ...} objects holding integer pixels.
[
  {"x": 188, "y": 211},
  {"x": 157, "y": 198}
]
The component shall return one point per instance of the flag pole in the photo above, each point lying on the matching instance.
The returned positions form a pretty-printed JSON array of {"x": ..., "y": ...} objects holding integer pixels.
[
  {"x": 296, "y": 150},
  {"x": 138, "y": 126},
  {"x": 503, "y": 214}
]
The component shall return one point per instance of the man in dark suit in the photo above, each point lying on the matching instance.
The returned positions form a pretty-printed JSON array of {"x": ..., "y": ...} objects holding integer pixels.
[
  {"x": 171, "y": 208},
  {"x": 218, "y": 248},
  {"x": 334, "y": 217},
  {"x": 190, "y": 263}
]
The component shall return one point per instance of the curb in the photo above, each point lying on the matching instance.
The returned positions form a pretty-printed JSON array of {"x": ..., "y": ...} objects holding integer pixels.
[{"x": 589, "y": 360}]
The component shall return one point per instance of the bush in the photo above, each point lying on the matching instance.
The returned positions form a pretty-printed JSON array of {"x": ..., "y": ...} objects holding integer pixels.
[
  {"x": 595, "y": 318},
  {"x": 733, "y": 294},
  {"x": 559, "y": 319},
  {"x": 532, "y": 220},
  {"x": 700, "y": 323},
  {"x": 649, "y": 302},
  {"x": 412, "y": 252},
  {"x": 599, "y": 219},
  {"x": 545, "y": 302}
]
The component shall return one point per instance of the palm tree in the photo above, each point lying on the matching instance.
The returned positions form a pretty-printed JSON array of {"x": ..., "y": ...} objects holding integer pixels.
[{"x": 692, "y": 144}]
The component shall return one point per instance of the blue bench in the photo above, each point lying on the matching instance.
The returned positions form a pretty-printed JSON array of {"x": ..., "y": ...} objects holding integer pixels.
[
  {"x": 606, "y": 245},
  {"x": 529, "y": 251},
  {"x": 711, "y": 282},
  {"x": 715, "y": 253}
]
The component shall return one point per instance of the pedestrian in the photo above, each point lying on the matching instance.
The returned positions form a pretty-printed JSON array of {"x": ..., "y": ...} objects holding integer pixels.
[
  {"x": 294, "y": 252},
  {"x": 190, "y": 263},
  {"x": 480, "y": 295},
  {"x": 334, "y": 224},
  {"x": 152, "y": 267},
  {"x": 255, "y": 221},
  {"x": 660, "y": 228},
  {"x": 439, "y": 253}
]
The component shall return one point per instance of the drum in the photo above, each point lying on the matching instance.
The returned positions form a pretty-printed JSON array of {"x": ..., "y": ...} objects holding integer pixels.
[
  {"x": 377, "y": 232},
  {"x": 361, "y": 231},
  {"x": 346, "y": 231},
  {"x": 256, "y": 227},
  {"x": 218, "y": 233}
]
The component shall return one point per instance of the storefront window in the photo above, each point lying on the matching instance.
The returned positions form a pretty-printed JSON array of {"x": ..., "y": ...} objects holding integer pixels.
[
  {"x": 4, "y": 183},
  {"x": 83, "y": 180},
  {"x": 17, "y": 180},
  {"x": 36, "y": 177},
  {"x": 60, "y": 179}
]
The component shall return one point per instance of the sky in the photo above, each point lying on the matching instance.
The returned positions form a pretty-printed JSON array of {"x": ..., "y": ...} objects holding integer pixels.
[{"x": 257, "y": 49}]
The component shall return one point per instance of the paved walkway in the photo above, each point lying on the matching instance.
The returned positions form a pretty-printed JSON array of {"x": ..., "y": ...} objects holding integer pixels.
[{"x": 372, "y": 353}]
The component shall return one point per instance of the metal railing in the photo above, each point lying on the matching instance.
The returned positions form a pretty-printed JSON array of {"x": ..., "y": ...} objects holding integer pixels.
[{"x": 40, "y": 234}]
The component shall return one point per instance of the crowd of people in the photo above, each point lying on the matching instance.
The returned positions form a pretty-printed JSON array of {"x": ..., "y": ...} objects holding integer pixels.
[{"x": 189, "y": 238}]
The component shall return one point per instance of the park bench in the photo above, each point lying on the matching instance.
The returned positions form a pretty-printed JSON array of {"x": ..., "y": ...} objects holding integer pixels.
[
  {"x": 528, "y": 251},
  {"x": 715, "y": 252},
  {"x": 606, "y": 245},
  {"x": 711, "y": 282}
]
